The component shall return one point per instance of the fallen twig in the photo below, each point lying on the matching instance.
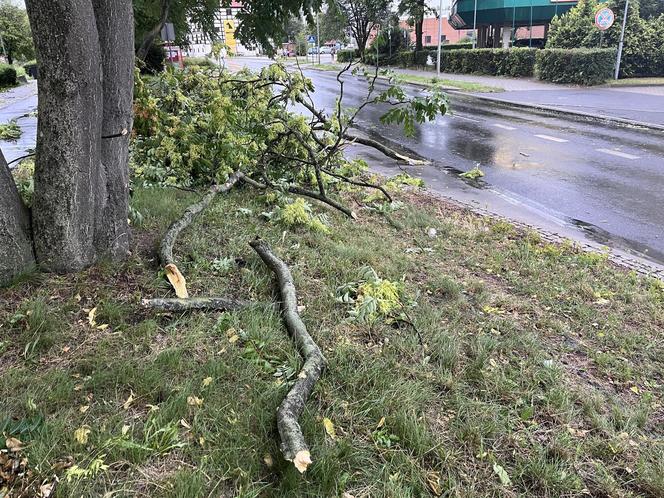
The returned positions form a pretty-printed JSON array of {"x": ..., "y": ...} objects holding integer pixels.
[
  {"x": 166, "y": 247},
  {"x": 194, "y": 303},
  {"x": 293, "y": 445}
]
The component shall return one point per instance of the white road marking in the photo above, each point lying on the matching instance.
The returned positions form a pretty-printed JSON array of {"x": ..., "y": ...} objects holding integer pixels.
[
  {"x": 553, "y": 139},
  {"x": 504, "y": 127},
  {"x": 624, "y": 155},
  {"x": 464, "y": 117}
]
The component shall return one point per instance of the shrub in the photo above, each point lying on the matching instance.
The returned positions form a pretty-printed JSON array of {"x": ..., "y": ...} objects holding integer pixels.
[
  {"x": 347, "y": 55},
  {"x": 580, "y": 66},
  {"x": 155, "y": 60},
  {"x": 421, "y": 58},
  {"x": 455, "y": 46},
  {"x": 31, "y": 69},
  {"x": 198, "y": 61},
  {"x": 7, "y": 75},
  {"x": 493, "y": 61}
]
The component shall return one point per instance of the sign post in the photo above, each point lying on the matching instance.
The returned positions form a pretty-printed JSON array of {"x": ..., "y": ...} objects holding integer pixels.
[
  {"x": 622, "y": 39},
  {"x": 312, "y": 42}
]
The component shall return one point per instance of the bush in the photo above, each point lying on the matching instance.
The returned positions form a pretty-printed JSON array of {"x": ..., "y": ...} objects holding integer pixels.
[
  {"x": 582, "y": 66},
  {"x": 421, "y": 58},
  {"x": 198, "y": 61},
  {"x": 455, "y": 46},
  {"x": 405, "y": 58},
  {"x": 492, "y": 61},
  {"x": 347, "y": 55},
  {"x": 155, "y": 60},
  {"x": 7, "y": 75}
]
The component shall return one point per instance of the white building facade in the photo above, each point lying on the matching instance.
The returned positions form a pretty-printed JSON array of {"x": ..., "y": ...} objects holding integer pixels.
[{"x": 225, "y": 25}]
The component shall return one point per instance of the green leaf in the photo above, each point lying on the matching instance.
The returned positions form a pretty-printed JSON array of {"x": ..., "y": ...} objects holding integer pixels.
[{"x": 502, "y": 474}]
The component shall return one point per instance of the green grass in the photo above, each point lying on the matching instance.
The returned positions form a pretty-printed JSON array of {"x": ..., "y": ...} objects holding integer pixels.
[
  {"x": 636, "y": 82},
  {"x": 538, "y": 359},
  {"x": 466, "y": 86}
]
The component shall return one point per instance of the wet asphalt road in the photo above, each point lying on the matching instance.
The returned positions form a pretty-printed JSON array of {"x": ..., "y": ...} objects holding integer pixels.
[{"x": 606, "y": 181}]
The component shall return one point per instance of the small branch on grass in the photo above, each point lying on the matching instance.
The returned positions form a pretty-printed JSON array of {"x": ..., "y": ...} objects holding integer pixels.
[
  {"x": 293, "y": 444},
  {"x": 194, "y": 303},
  {"x": 303, "y": 192},
  {"x": 166, "y": 247}
]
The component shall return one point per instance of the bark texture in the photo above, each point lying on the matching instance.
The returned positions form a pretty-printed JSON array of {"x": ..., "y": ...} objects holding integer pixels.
[
  {"x": 117, "y": 57},
  {"x": 293, "y": 444},
  {"x": 195, "y": 303},
  {"x": 167, "y": 242},
  {"x": 16, "y": 253},
  {"x": 68, "y": 174}
]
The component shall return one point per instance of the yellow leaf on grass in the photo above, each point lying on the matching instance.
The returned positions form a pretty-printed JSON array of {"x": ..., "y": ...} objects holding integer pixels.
[
  {"x": 329, "y": 428},
  {"x": 635, "y": 389},
  {"x": 207, "y": 381},
  {"x": 125, "y": 429},
  {"x": 177, "y": 280},
  {"x": 381, "y": 423},
  {"x": 129, "y": 401},
  {"x": 13, "y": 444},
  {"x": 84, "y": 408},
  {"x": 81, "y": 434},
  {"x": 194, "y": 401},
  {"x": 433, "y": 481},
  {"x": 91, "y": 317},
  {"x": 269, "y": 461}
]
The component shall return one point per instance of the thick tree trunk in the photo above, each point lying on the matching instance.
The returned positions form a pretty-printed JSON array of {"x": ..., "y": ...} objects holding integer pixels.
[
  {"x": 16, "y": 254},
  {"x": 150, "y": 36},
  {"x": 69, "y": 183},
  {"x": 117, "y": 53},
  {"x": 418, "y": 34}
]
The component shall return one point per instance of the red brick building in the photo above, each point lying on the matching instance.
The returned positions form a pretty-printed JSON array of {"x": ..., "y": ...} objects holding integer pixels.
[{"x": 430, "y": 32}]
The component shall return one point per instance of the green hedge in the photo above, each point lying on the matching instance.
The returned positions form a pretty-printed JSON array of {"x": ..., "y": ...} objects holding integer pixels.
[
  {"x": 198, "y": 61},
  {"x": 410, "y": 58},
  {"x": 455, "y": 46},
  {"x": 492, "y": 61},
  {"x": 582, "y": 66},
  {"x": 347, "y": 55},
  {"x": 7, "y": 75}
]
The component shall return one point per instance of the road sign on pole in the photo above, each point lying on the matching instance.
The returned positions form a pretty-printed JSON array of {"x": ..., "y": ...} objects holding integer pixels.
[
  {"x": 311, "y": 39},
  {"x": 604, "y": 18}
]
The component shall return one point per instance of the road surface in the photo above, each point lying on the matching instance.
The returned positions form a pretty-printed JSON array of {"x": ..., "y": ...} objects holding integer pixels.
[{"x": 606, "y": 182}]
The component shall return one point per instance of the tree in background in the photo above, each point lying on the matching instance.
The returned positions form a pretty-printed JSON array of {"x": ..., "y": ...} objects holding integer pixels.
[
  {"x": 15, "y": 32},
  {"x": 643, "y": 50},
  {"x": 416, "y": 10},
  {"x": 333, "y": 25},
  {"x": 363, "y": 17},
  {"x": 151, "y": 15}
]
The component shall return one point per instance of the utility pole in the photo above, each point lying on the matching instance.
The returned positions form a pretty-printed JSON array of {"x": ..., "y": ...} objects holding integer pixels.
[
  {"x": 440, "y": 32},
  {"x": 475, "y": 25},
  {"x": 622, "y": 39},
  {"x": 318, "y": 36}
]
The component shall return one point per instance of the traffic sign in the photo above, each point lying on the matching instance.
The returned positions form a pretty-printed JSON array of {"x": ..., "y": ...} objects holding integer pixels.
[
  {"x": 311, "y": 39},
  {"x": 604, "y": 18}
]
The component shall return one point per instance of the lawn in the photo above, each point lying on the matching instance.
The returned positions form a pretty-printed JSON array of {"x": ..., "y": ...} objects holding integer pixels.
[{"x": 524, "y": 368}]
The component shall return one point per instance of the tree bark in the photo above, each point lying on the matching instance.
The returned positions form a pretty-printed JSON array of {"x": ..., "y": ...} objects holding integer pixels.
[
  {"x": 68, "y": 175},
  {"x": 16, "y": 253},
  {"x": 117, "y": 52},
  {"x": 293, "y": 444},
  {"x": 194, "y": 303},
  {"x": 150, "y": 36}
]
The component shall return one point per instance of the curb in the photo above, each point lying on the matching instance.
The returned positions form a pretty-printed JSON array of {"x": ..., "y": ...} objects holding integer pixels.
[{"x": 580, "y": 116}]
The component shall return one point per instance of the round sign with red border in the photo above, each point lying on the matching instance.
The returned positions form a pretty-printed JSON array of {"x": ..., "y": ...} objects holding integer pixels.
[{"x": 604, "y": 18}]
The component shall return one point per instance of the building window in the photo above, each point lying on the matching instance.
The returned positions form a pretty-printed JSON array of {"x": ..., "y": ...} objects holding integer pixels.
[
  {"x": 229, "y": 12},
  {"x": 427, "y": 39},
  {"x": 443, "y": 38}
]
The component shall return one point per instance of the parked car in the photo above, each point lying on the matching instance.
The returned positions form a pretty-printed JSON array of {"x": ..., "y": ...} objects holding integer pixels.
[
  {"x": 325, "y": 50},
  {"x": 312, "y": 50}
]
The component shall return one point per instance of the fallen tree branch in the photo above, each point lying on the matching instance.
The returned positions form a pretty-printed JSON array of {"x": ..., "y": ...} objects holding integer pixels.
[
  {"x": 358, "y": 183},
  {"x": 391, "y": 153},
  {"x": 194, "y": 303},
  {"x": 293, "y": 445},
  {"x": 166, "y": 247},
  {"x": 304, "y": 192}
]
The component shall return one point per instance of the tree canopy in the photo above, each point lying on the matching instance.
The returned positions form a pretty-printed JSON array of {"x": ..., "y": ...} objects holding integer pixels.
[{"x": 15, "y": 31}]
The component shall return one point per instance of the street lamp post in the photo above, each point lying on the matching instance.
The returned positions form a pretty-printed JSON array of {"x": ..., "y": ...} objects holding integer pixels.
[
  {"x": 622, "y": 39},
  {"x": 475, "y": 25},
  {"x": 318, "y": 36},
  {"x": 440, "y": 32}
]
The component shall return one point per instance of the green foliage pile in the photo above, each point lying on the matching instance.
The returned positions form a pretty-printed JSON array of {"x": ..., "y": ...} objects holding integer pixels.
[
  {"x": 577, "y": 66},
  {"x": 7, "y": 75},
  {"x": 10, "y": 131},
  {"x": 643, "y": 51}
]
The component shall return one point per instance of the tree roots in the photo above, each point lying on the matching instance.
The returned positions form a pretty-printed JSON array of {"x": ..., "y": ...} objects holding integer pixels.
[{"x": 293, "y": 445}]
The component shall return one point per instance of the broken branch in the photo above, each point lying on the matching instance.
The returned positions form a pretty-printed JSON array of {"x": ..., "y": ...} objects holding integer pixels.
[
  {"x": 293, "y": 444},
  {"x": 194, "y": 303}
]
